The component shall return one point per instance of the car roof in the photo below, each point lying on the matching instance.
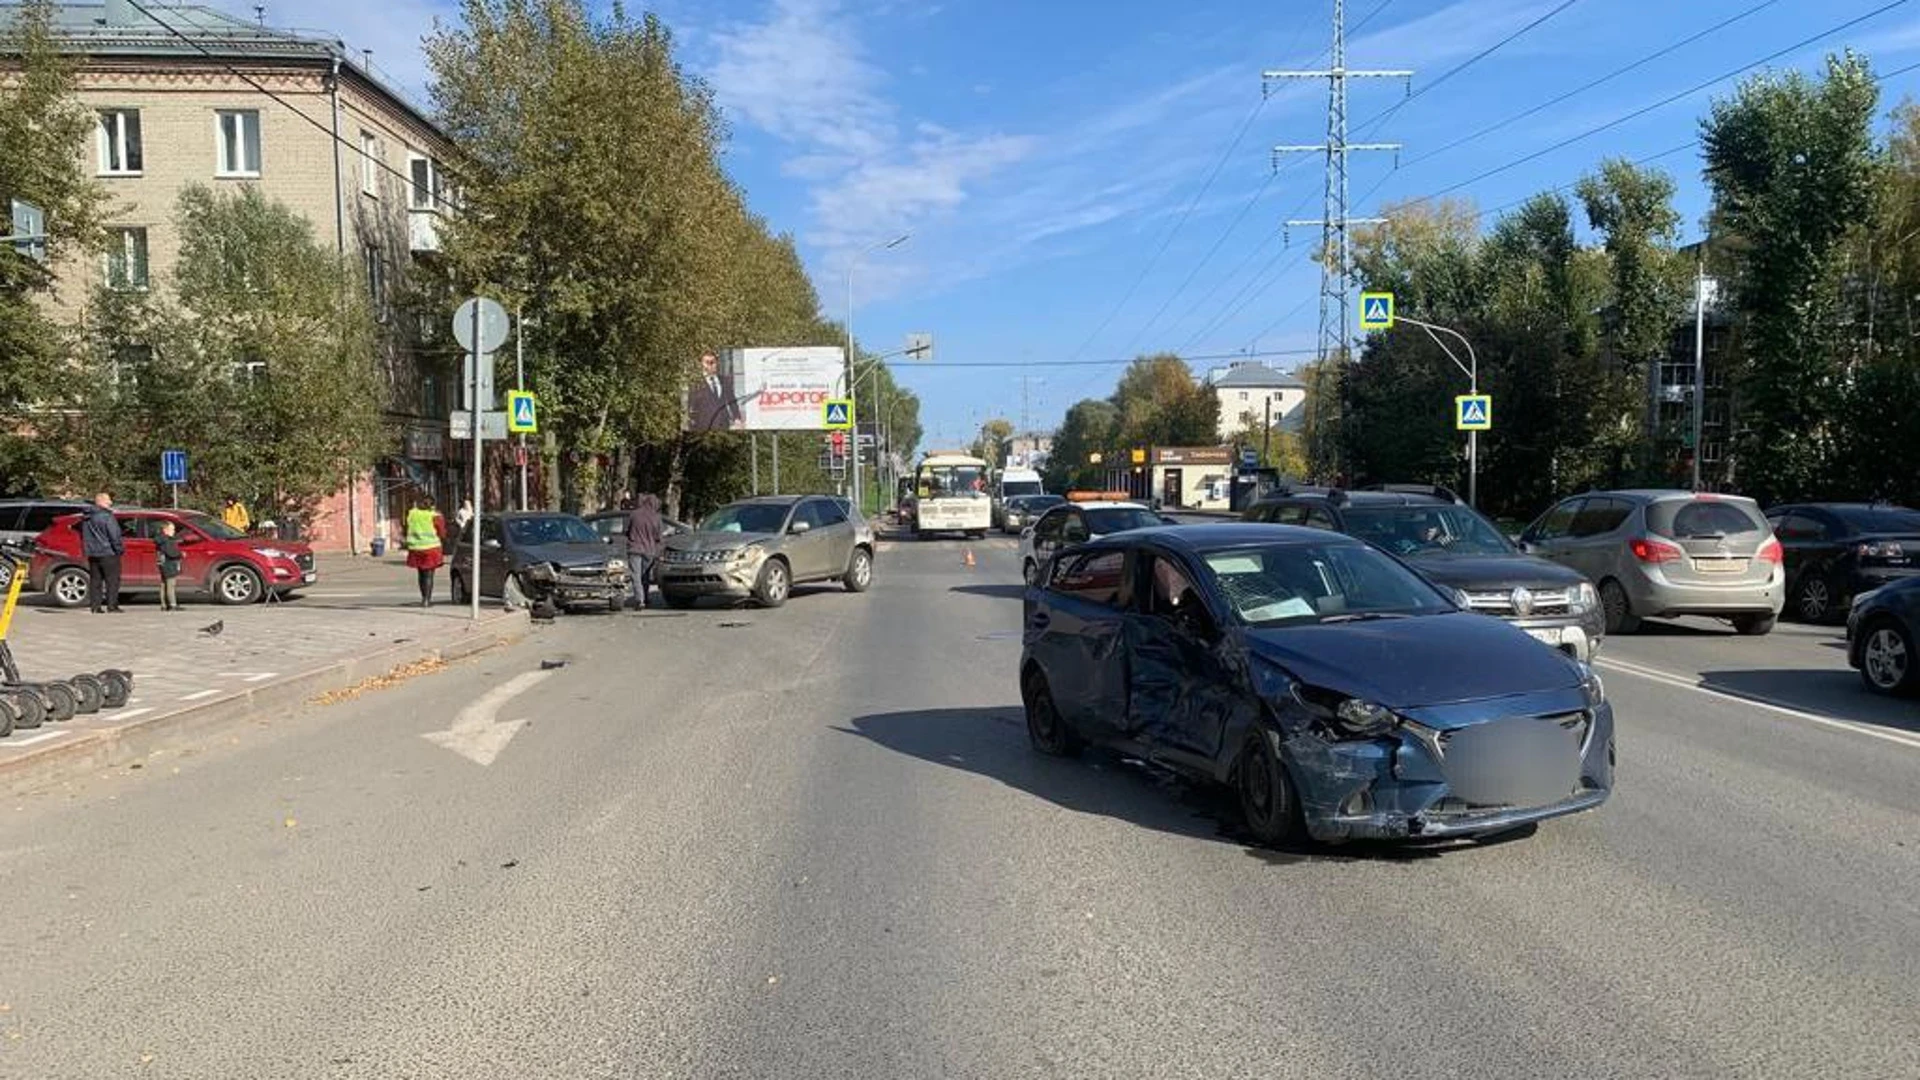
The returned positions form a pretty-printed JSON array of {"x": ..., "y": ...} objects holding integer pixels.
[
  {"x": 773, "y": 500},
  {"x": 1105, "y": 504},
  {"x": 1659, "y": 494},
  {"x": 1360, "y": 498},
  {"x": 1195, "y": 539}
]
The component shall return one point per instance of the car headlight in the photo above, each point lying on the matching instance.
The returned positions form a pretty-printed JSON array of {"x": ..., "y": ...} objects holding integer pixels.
[
  {"x": 273, "y": 553},
  {"x": 1592, "y": 685},
  {"x": 751, "y": 553},
  {"x": 1582, "y": 598},
  {"x": 540, "y": 570},
  {"x": 616, "y": 564},
  {"x": 1460, "y": 599},
  {"x": 1347, "y": 715}
]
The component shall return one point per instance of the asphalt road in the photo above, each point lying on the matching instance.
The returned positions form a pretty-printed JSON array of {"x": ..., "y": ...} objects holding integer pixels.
[{"x": 813, "y": 842}]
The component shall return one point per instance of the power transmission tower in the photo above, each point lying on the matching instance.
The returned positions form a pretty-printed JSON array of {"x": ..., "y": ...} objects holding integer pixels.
[
  {"x": 1026, "y": 412},
  {"x": 1336, "y": 252}
]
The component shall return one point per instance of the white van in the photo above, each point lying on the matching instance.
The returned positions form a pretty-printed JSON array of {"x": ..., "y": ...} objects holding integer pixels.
[{"x": 1012, "y": 482}]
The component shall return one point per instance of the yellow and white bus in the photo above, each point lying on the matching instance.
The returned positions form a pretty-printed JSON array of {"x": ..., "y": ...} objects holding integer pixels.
[{"x": 950, "y": 495}]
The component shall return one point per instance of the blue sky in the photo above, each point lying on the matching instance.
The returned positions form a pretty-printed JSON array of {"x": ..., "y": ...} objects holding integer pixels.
[{"x": 1044, "y": 155}]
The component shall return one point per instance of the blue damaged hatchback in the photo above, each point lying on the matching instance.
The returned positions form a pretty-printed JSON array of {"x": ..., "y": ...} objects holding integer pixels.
[{"x": 1337, "y": 692}]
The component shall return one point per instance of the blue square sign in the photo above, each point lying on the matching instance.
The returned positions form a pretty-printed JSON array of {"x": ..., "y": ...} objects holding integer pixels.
[
  {"x": 1376, "y": 311},
  {"x": 173, "y": 466},
  {"x": 1473, "y": 412}
]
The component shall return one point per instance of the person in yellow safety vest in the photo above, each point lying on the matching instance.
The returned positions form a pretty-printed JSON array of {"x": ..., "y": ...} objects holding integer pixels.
[
  {"x": 235, "y": 515},
  {"x": 426, "y": 544}
]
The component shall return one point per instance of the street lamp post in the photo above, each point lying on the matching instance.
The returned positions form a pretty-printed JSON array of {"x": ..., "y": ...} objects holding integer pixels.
[
  {"x": 884, "y": 245},
  {"x": 1472, "y": 371}
]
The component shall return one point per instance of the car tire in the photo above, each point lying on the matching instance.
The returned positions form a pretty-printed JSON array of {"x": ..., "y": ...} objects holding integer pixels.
[
  {"x": 235, "y": 585},
  {"x": 118, "y": 686},
  {"x": 1815, "y": 600},
  {"x": 679, "y": 601},
  {"x": 1618, "y": 609},
  {"x": 1888, "y": 660},
  {"x": 458, "y": 585},
  {"x": 616, "y": 605},
  {"x": 859, "y": 575},
  {"x": 1047, "y": 730},
  {"x": 770, "y": 589},
  {"x": 61, "y": 701},
  {"x": 9, "y": 715},
  {"x": 29, "y": 711},
  {"x": 1269, "y": 804},
  {"x": 67, "y": 587},
  {"x": 1753, "y": 625}
]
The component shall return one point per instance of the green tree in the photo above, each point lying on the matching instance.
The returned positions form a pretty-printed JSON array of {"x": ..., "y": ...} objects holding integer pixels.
[
  {"x": 44, "y": 130},
  {"x": 1792, "y": 166},
  {"x": 1090, "y": 427},
  {"x": 256, "y": 357},
  {"x": 992, "y": 440},
  {"x": 1160, "y": 404}
]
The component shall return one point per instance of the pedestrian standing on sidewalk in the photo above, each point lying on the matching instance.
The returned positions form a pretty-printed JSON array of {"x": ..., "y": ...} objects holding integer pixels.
[
  {"x": 426, "y": 544},
  {"x": 103, "y": 545},
  {"x": 235, "y": 514},
  {"x": 643, "y": 545},
  {"x": 167, "y": 550}
]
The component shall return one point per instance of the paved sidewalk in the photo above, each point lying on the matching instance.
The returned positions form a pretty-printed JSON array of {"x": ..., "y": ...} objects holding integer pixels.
[{"x": 362, "y": 612}]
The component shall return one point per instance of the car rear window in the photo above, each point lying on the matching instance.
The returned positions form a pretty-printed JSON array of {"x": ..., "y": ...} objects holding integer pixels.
[
  {"x": 1881, "y": 519},
  {"x": 1686, "y": 518},
  {"x": 1115, "y": 519}
]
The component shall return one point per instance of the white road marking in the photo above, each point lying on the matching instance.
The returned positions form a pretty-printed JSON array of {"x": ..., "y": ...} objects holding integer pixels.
[
  {"x": 249, "y": 676},
  {"x": 1892, "y": 735},
  {"x": 29, "y": 740},
  {"x": 198, "y": 694},
  {"x": 475, "y": 734},
  {"x": 128, "y": 714}
]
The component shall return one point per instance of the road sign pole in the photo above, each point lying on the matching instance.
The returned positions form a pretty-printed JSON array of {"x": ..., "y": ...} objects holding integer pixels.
[
  {"x": 520, "y": 383},
  {"x": 479, "y": 507}
]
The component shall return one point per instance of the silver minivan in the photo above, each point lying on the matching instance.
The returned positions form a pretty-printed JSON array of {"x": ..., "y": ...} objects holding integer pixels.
[{"x": 1663, "y": 554}]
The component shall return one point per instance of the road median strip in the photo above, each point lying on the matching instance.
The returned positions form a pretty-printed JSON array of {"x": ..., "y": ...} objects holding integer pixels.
[{"x": 57, "y": 752}]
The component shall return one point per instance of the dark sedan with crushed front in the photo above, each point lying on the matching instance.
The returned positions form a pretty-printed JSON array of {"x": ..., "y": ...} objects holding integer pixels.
[{"x": 1341, "y": 694}]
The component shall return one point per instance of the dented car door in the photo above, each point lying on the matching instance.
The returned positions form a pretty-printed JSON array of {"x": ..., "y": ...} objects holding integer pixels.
[{"x": 1181, "y": 692}]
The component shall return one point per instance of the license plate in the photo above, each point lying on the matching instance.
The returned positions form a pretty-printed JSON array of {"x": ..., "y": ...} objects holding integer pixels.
[
  {"x": 1720, "y": 566},
  {"x": 1547, "y": 636},
  {"x": 309, "y": 577}
]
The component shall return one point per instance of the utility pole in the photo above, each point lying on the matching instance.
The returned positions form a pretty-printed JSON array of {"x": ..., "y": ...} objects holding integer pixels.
[
  {"x": 1699, "y": 363},
  {"x": 1336, "y": 258}
]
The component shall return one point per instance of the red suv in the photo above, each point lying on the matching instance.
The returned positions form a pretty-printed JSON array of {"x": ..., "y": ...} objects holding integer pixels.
[{"x": 227, "y": 564}]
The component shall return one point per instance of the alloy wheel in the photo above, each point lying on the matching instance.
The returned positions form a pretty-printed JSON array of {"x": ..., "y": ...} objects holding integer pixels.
[
  {"x": 1816, "y": 600},
  {"x": 70, "y": 589},
  {"x": 1885, "y": 659}
]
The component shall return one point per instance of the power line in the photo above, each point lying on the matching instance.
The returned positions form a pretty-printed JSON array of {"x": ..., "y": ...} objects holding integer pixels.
[
  {"x": 1663, "y": 102},
  {"x": 325, "y": 128},
  {"x": 1109, "y": 362},
  {"x": 1427, "y": 88}
]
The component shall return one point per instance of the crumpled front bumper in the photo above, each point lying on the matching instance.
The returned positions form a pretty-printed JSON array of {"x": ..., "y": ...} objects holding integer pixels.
[
  {"x": 565, "y": 588},
  {"x": 1398, "y": 786}
]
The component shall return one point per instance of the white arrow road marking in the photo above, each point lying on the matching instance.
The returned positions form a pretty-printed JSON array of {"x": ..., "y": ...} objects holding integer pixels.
[{"x": 475, "y": 734}]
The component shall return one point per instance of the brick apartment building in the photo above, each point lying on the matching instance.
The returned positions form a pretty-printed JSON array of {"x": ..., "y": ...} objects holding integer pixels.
[{"x": 186, "y": 95}]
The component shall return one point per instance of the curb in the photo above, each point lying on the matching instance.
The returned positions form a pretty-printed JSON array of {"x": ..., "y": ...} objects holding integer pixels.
[{"x": 108, "y": 747}]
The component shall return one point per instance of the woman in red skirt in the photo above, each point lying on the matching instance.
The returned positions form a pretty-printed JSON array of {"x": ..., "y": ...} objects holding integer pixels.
[{"x": 426, "y": 544}]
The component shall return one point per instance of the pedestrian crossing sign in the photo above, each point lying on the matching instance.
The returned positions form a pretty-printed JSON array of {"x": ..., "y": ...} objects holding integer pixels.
[
  {"x": 523, "y": 412},
  {"x": 1473, "y": 412},
  {"x": 836, "y": 414},
  {"x": 1376, "y": 311}
]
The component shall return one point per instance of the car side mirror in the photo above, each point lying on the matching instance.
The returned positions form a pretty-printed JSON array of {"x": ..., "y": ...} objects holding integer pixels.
[{"x": 799, "y": 527}]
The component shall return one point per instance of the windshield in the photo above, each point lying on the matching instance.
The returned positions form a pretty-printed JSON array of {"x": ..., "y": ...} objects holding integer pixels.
[
  {"x": 951, "y": 481},
  {"x": 1010, "y": 488},
  {"x": 212, "y": 526},
  {"x": 1115, "y": 519},
  {"x": 1426, "y": 530},
  {"x": 556, "y": 529},
  {"x": 1881, "y": 519},
  {"x": 1283, "y": 584},
  {"x": 748, "y": 518}
]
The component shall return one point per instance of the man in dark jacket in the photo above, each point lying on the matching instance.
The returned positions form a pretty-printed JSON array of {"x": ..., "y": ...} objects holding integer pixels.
[
  {"x": 103, "y": 545},
  {"x": 644, "y": 532}
]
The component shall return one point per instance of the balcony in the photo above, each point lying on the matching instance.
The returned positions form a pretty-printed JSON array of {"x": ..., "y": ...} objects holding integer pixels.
[{"x": 423, "y": 231}]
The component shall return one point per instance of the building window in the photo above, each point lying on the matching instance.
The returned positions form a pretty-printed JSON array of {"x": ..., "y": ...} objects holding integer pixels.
[
  {"x": 119, "y": 141},
  {"x": 239, "y": 142},
  {"x": 126, "y": 258},
  {"x": 376, "y": 280},
  {"x": 1243, "y": 395},
  {"x": 130, "y": 363},
  {"x": 423, "y": 192},
  {"x": 369, "y": 164}
]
